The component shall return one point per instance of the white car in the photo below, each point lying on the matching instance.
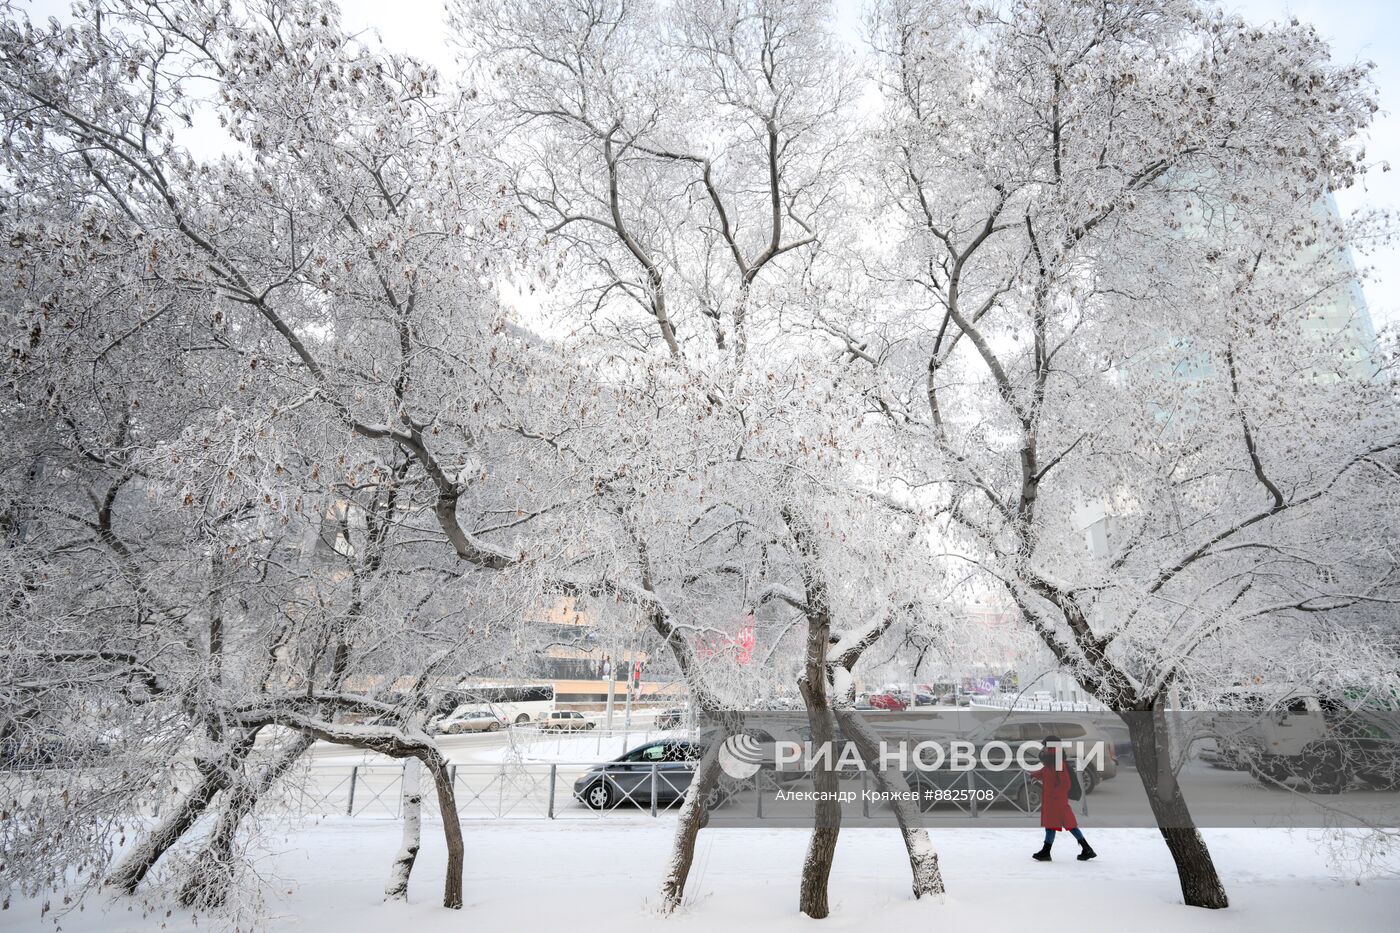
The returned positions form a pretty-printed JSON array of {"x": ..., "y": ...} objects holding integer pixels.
[
  {"x": 1278, "y": 735},
  {"x": 564, "y": 720}
]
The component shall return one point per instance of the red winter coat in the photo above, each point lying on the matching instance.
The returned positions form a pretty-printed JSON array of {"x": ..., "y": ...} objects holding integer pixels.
[{"x": 1055, "y": 811}]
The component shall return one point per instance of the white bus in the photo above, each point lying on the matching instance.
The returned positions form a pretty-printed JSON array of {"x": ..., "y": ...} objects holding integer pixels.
[{"x": 515, "y": 704}]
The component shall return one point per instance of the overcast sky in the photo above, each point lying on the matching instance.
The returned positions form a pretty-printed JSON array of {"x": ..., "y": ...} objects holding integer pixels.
[{"x": 1359, "y": 30}]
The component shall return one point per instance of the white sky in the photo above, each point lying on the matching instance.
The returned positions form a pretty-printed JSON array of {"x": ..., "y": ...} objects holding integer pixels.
[{"x": 1359, "y": 30}]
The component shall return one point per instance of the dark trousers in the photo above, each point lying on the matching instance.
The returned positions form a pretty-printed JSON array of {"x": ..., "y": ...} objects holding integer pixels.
[{"x": 1050, "y": 836}]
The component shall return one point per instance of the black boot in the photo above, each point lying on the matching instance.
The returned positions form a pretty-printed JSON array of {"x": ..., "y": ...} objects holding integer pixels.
[
  {"x": 1043, "y": 855},
  {"x": 1085, "y": 851}
]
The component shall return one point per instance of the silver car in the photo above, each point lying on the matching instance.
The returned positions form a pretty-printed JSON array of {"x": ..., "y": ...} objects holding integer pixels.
[
  {"x": 564, "y": 720},
  {"x": 471, "y": 720}
]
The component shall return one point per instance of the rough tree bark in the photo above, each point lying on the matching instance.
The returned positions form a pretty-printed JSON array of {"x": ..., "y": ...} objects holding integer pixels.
[
  {"x": 692, "y": 818},
  {"x": 926, "y": 877},
  {"x": 826, "y": 829},
  {"x": 406, "y": 742},
  {"x": 451, "y": 826},
  {"x": 211, "y": 875},
  {"x": 821, "y": 850},
  {"x": 694, "y": 811},
  {"x": 1200, "y": 883},
  {"x": 1106, "y": 681},
  {"x": 397, "y": 887},
  {"x": 213, "y": 777}
]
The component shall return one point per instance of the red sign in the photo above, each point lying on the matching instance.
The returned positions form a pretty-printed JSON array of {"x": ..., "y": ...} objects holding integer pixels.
[{"x": 740, "y": 644}]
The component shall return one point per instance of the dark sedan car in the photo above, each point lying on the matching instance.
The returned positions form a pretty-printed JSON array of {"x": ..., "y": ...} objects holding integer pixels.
[
  {"x": 670, "y": 764},
  {"x": 1122, "y": 743},
  {"x": 671, "y": 718},
  {"x": 35, "y": 750}
]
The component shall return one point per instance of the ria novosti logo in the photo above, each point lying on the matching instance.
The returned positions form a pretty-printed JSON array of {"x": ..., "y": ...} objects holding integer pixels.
[{"x": 741, "y": 756}]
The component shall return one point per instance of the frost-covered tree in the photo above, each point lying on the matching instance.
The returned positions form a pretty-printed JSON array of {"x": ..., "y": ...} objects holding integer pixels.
[
  {"x": 1050, "y": 286},
  {"x": 221, "y": 363},
  {"x": 1120, "y": 328},
  {"x": 689, "y": 165}
]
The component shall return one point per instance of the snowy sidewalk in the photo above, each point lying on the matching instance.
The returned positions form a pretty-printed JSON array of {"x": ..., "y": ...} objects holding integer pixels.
[{"x": 581, "y": 878}]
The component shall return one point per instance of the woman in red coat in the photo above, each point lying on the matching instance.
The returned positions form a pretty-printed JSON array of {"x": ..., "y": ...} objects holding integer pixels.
[{"x": 1055, "y": 812}]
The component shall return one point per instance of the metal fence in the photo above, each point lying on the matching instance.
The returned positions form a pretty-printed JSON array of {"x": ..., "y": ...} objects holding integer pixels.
[
  {"x": 513, "y": 790},
  {"x": 546, "y": 791},
  {"x": 1025, "y": 704},
  {"x": 535, "y": 780}
]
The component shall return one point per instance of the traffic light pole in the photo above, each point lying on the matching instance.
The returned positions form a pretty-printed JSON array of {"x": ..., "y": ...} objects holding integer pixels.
[{"x": 627, "y": 714}]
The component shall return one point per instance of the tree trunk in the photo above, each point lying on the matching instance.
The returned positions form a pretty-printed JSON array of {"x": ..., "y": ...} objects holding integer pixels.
[
  {"x": 397, "y": 888},
  {"x": 926, "y": 876},
  {"x": 397, "y": 743},
  {"x": 1200, "y": 883},
  {"x": 211, "y": 875},
  {"x": 451, "y": 827},
  {"x": 821, "y": 850},
  {"x": 693, "y": 817},
  {"x": 213, "y": 778}
]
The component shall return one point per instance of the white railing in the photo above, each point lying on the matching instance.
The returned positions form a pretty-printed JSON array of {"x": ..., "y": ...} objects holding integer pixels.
[
  {"x": 508, "y": 790},
  {"x": 546, "y": 791},
  {"x": 1041, "y": 705}
]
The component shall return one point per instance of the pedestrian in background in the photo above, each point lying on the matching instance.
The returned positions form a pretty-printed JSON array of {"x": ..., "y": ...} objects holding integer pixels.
[{"x": 1056, "y": 814}]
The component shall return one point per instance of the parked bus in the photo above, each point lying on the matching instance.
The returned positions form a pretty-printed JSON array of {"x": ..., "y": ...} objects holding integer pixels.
[{"x": 515, "y": 704}]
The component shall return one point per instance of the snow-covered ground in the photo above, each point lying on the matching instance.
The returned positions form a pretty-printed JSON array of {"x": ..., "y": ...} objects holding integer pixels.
[{"x": 536, "y": 876}]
